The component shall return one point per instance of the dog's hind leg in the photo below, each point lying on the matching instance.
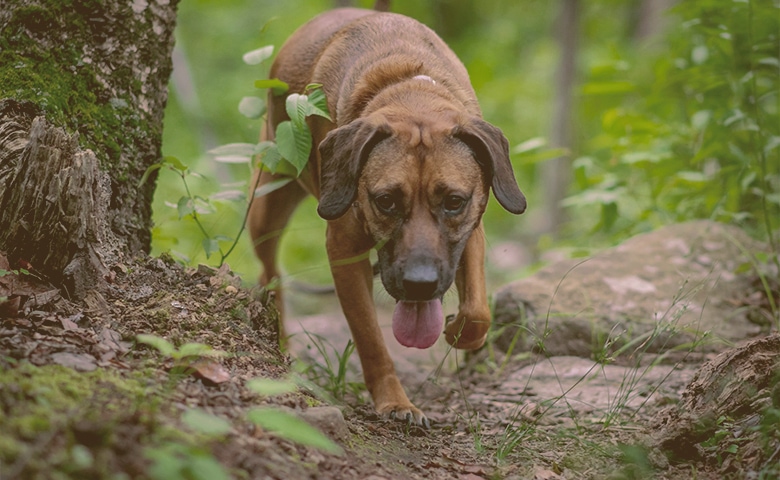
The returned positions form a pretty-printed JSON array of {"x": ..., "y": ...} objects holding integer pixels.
[
  {"x": 268, "y": 216},
  {"x": 469, "y": 329}
]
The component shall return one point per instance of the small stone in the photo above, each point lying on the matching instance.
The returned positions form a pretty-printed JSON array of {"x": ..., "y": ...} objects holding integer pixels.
[{"x": 328, "y": 419}]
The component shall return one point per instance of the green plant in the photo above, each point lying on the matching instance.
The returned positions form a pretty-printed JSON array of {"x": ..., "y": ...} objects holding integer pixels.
[
  {"x": 175, "y": 461},
  {"x": 286, "y": 425},
  {"x": 183, "y": 357},
  {"x": 287, "y": 155},
  {"x": 692, "y": 133},
  {"x": 331, "y": 376}
]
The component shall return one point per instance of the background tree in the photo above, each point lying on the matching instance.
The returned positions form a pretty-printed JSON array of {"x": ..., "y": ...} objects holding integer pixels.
[{"x": 82, "y": 93}]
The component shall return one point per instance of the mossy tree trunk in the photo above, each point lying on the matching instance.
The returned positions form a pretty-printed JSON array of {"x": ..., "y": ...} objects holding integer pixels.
[{"x": 83, "y": 85}]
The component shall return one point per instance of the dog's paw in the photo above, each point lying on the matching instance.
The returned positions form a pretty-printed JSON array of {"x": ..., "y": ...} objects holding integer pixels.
[
  {"x": 466, "y": 334},
  {"x": 405, "y": 413}
]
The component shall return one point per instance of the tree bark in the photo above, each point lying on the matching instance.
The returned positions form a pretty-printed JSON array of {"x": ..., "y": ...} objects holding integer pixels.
[
  {"x": 83, "y": 86},
  {"x": 556, "y": 173}
]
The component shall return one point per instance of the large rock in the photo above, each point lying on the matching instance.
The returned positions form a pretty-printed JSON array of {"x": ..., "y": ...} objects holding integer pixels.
[{"x": 654, "y": 292}]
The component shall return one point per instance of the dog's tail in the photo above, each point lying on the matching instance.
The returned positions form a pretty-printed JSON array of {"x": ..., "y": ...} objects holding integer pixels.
[{"x": 382, "y": 5}]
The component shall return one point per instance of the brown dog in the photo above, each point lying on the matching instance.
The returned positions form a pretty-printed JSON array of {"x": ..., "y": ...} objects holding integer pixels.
[{"x": 405, "y": 168}]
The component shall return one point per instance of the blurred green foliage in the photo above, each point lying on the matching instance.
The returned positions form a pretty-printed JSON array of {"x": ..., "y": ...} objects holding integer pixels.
[{"x": 679, "y": 126}]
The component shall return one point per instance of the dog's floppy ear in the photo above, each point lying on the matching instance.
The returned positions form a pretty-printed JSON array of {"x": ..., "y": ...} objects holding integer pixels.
[
  {"x": 491, "y": 150},
  {"x": 343, "y": 152}
]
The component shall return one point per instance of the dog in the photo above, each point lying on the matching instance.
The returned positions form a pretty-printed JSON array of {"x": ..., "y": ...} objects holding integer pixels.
[{"x": 405, "y": 167}]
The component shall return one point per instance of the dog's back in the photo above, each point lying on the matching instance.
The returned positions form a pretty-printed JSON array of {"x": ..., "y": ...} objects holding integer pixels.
[{"x": 332, "y": 49}]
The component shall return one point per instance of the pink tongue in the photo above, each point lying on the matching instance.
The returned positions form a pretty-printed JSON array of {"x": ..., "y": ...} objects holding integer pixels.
[{"x": 418, "y": 324}]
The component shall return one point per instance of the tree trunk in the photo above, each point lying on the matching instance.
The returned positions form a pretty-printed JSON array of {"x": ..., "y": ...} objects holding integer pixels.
[
  {"x": 82, "y": 94},
  {"x": 556, "y": 173}
]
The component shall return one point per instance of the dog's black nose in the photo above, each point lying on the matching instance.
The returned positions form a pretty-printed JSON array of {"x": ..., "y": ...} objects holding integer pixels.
[{"x": 421, "y": 279}]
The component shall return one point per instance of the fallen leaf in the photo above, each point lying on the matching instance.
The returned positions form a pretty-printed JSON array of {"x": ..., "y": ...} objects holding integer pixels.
[
  {"x": 68, "y": 324},
  {"x": 545, "y": 474},
  {"x": 210, "y": 370},
  {"x": 77, "y": 361},
  {"x": 113, "y": 341}
]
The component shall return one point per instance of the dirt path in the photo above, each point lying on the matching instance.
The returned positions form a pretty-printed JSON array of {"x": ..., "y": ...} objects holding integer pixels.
[{"x": 80, "y": 398}]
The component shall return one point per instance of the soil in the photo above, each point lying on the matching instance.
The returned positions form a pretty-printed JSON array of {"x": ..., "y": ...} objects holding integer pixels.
[{"x": 81, "y": 397}]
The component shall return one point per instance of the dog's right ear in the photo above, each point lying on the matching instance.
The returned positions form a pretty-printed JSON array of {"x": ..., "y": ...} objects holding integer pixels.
[{"x": 343, "y": 153}]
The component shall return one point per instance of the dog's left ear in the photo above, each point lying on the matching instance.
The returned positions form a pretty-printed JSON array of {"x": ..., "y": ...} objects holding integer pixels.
[
  {"x": 343, "y": 153},
  {"x": 491, "y": 150}
]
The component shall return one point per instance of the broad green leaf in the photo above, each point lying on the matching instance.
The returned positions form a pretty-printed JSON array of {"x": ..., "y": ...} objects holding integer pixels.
[
  {"x": 292, "y": 428},
  {"x": 632, "y": 158},
  {"x": 294, "y": 144},
  {"x": 195, "y": 349},
  {"x": 318, "y": 104},
  {"x": 609, "y": 214},
  {"x": 269, "y": 386},
  {"x": 166, "y": 464},
  {"x": 700, "y": 119},
  {"x": 205, "y": 467},
  {"x": 230, "y": 196},
  {"x": 233, "y": 153},
  {"x": 234, "y": 159},
  {"x": 692, "y": 177},
  {"x": 206, "y": 423},
  {"x": 772, "y": 143},
  {"x": 279, "y": 87},
  {"x": 175, "y": 163},
  {"x": 162, "y": 345},
  {"x": 185, "y": 207},
  {"x": 256, "y": 57},
  {"x": 252, "y": 107},
  {"x": 529, "y": 145},
  {"x": 203, "y": 206},
  {"x": 245, "y": 149},
  {"x": 592, "y": 197},
  {"x": 297, "y": 107},
  {"x": 268, "y": 155},
  {"x": 532, "y": 158},
  {"x": 148, "y": 172},
  {"x": 210, "y": 245},
  {"x": 272, "y": 186}
]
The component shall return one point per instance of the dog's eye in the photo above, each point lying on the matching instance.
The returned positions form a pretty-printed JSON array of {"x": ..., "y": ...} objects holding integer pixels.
[
  {"x": 386, "y": 204},
  {"x": 453, "y": 204}
]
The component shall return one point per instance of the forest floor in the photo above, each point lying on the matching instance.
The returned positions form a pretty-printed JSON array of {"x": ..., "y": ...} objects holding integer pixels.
[{"x": 82, "y": 397}]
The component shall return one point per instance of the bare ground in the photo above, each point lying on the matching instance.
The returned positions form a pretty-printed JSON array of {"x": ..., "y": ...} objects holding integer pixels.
[{"x": 81, "y": 398}]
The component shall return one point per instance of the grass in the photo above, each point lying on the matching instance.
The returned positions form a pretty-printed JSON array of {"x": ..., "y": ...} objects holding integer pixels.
[{"x": 328, "y": 374}]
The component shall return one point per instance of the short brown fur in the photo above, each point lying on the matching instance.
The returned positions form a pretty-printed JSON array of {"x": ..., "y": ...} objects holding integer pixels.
[{"x": 405, "y": 167}]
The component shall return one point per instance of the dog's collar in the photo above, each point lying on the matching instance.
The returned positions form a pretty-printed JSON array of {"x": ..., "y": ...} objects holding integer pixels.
[{"x": 424, "y": 78}]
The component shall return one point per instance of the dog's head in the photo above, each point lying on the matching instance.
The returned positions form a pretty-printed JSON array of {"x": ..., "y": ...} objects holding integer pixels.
[{"x": 420, "y": 187}]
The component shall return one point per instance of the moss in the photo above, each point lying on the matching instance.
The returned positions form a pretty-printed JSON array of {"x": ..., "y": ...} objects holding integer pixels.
[
  {"x": 32, "y": 69},
  {"x": 83, "y": 425}
]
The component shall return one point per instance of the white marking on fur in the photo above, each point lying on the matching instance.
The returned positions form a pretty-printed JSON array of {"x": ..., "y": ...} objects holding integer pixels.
[{"x": 425, "y": 78}]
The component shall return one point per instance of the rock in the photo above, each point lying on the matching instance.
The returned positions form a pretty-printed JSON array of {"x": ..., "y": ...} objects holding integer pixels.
[
  {"x": 654, "y": 292},
  {"x": 328, "y": 419}
]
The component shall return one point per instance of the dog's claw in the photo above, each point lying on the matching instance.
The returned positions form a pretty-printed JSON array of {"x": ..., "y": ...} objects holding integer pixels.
[{"x": 411, "y": 418}]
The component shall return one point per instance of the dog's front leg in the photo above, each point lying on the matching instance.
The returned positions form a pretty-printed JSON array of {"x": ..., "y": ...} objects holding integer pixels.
[
  {"x": 348, "y": 250},
  {"x": 469, "y": 329}
]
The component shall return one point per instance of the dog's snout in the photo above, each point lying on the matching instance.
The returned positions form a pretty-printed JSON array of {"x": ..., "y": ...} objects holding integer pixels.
[{"x": 421, "y": 280}]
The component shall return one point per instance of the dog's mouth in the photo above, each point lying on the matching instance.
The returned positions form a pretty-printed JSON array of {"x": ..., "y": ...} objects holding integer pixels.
[{"x": 418, "y": 324}]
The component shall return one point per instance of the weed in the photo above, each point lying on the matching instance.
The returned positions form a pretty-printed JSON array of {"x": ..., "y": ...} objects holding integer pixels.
[
  {"x": 328, "y": 375},
  {"x": 287, "y": 155}
]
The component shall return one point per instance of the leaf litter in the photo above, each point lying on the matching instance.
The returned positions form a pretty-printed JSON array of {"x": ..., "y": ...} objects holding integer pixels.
[{"x": 82, "y": 397}]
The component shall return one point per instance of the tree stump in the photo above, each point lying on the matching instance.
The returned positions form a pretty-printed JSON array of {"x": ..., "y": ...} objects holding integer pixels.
[
  {"x": 729, "y": 411},
  {"x": 82, "y": 93}
]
